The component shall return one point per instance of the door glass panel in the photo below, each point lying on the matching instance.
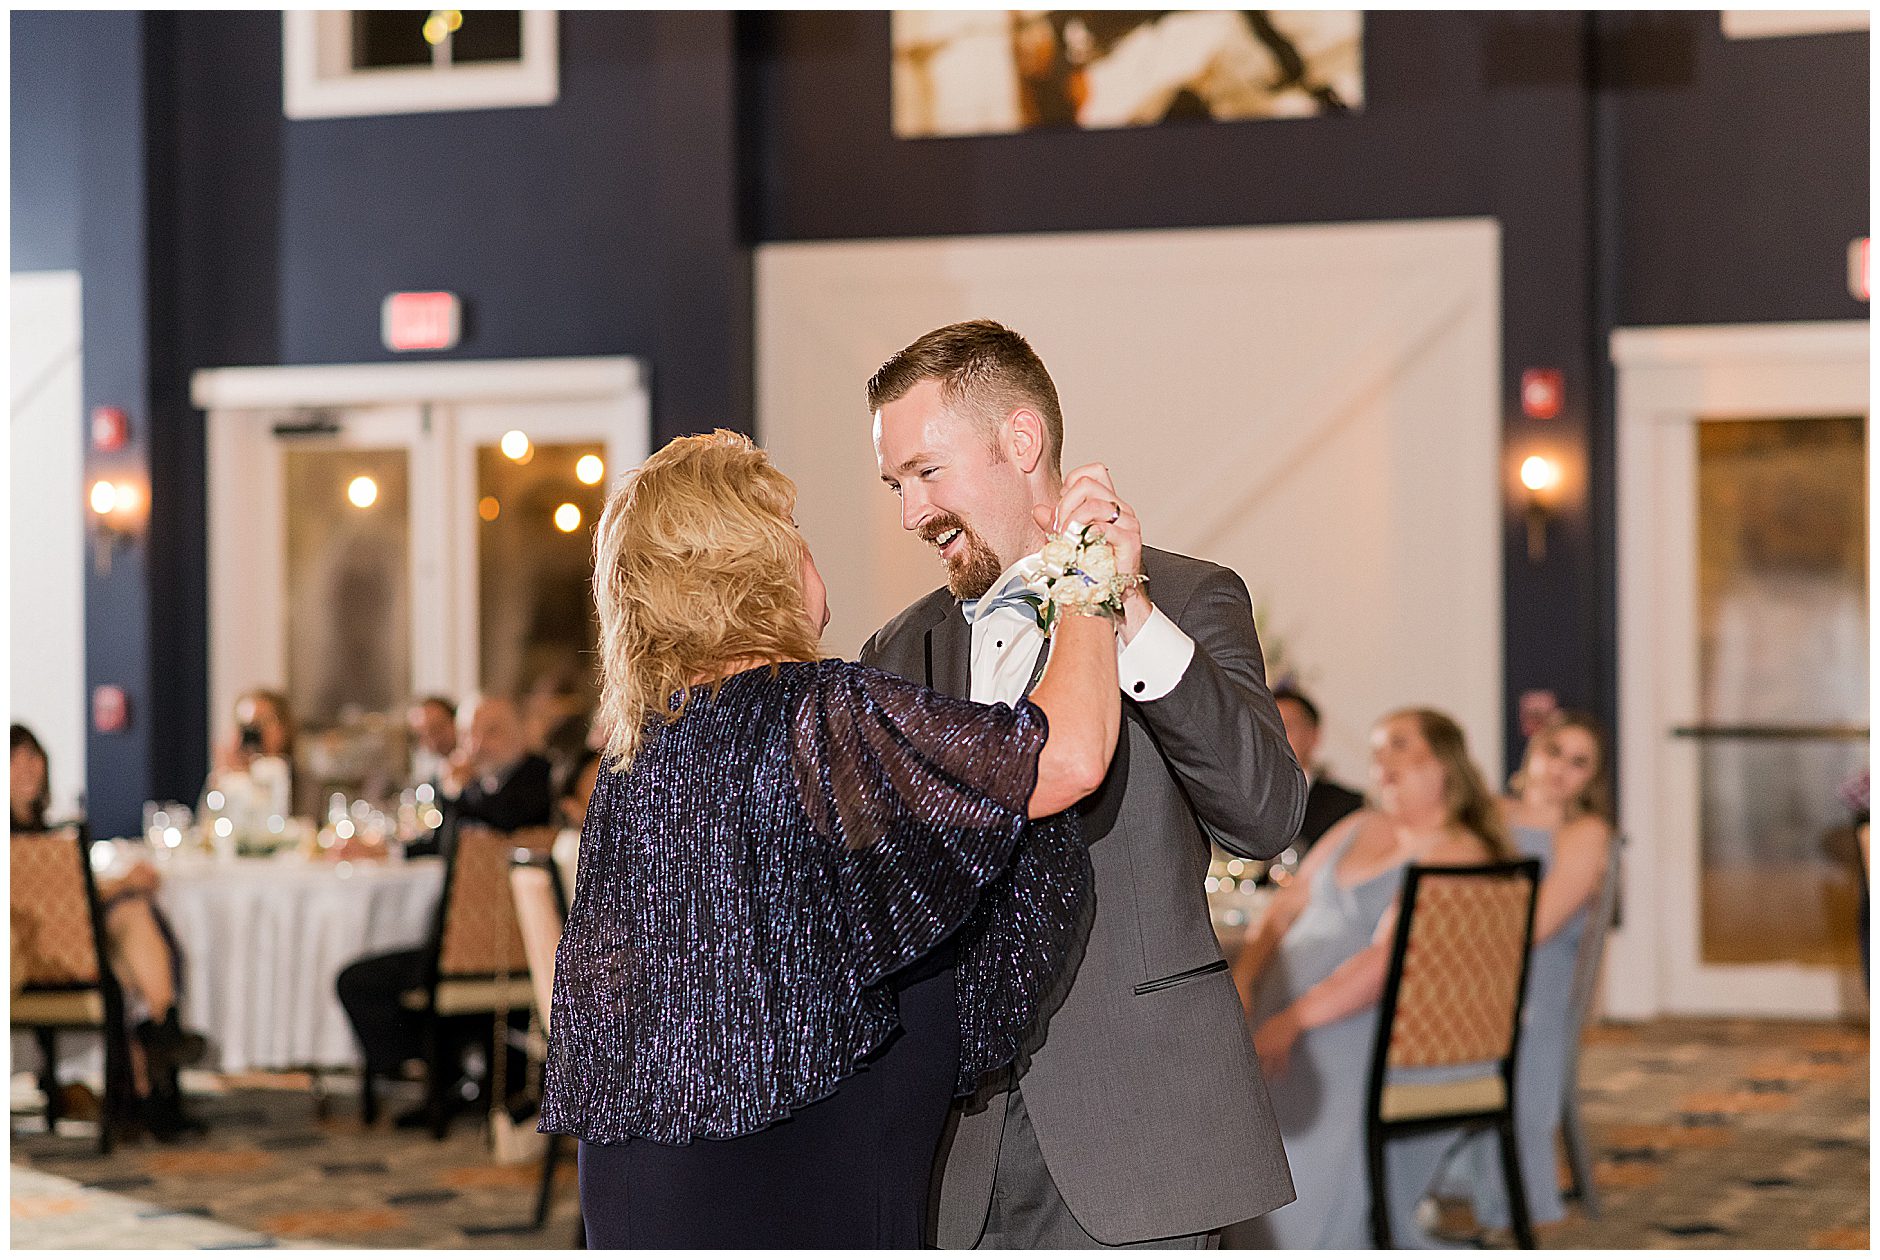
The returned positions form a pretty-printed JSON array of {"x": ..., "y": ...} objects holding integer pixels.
[
  {"x": 349, "y": 618},
  {"x": 1782, "y": 558},
  {"x": 386, "y": 38},
  {"x": 535, "y": 543}
]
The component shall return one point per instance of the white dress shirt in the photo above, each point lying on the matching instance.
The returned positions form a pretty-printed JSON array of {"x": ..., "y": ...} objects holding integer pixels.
[{"x": 1006, "y": 641}]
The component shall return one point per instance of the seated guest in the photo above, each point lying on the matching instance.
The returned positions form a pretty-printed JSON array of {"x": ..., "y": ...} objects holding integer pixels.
[
  {"x": 1561, "y": 813},
  {"x": 555, "y": 701},
  {"x": 577, "y": 789},
  {"x": 571, "y": 799},
  {"x": 569, "y": 740},
  {"x": 264, "y": 727},
  {"x": 494, "y": 781},
  {"x": 1312, "y": 971},
  {"x": 1857, "y": 795},
  {"x": 142, "y": 955},
  {"x": 433, "y": 724},
  {"x": 29, "y": 782},
  {"x": 262, "y": 747},
  {"x": 1327, "y": 802}
]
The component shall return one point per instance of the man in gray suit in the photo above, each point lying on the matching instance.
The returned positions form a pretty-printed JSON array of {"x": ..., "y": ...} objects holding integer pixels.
[{"x": 1141, "y": 1117}]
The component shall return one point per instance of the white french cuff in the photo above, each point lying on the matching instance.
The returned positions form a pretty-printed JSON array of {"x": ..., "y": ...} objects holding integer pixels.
[{"x": 1151, "y": 664}]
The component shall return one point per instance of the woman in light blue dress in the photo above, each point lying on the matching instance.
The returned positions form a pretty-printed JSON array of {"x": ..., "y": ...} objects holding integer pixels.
[
  {"x": 1560, "y": 813},
  {"x": 1312, "y": 970}
]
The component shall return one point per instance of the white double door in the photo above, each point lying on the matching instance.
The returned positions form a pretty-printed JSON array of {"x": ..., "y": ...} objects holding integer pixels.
[{"x": 371, "y": 541}]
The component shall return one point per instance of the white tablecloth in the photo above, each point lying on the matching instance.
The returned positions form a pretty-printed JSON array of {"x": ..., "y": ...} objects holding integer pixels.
[{"x": 264, "y": 940}]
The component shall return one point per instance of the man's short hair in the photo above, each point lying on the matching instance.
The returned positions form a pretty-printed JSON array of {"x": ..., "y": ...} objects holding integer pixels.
[
  {"x": 442, "y": 702},
  {"x": 1298, "y": 697},
  {"x": 983, "y": 367}
]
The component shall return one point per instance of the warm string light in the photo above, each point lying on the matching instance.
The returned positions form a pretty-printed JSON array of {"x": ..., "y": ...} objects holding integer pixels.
[
  {"x": 589, "y": 470},
  {"x": 567, "y": 518},
  {"x": 516, "y": 445},
  {"x": 362, "y": 492}
]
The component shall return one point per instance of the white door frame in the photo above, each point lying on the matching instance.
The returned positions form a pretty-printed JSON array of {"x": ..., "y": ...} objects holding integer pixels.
[
  {"x": 432, "y": 405},
  {"x": 1669, "y": 381}
]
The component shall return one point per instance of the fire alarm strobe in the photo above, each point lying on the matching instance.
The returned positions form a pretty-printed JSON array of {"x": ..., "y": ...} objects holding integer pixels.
[
  {"x": 110, "y": 428},
  {"x": 1543, "y": 390},
  {"x": 420, "y": 321},
  {"x": 110, "y": 709}
]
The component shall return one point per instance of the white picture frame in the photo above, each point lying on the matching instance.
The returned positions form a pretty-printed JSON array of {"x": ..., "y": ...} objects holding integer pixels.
[{"x": 318, "y": 79}]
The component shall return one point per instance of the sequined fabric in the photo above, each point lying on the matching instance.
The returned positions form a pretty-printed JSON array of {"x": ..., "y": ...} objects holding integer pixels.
[{"x": 765, "y": 862}]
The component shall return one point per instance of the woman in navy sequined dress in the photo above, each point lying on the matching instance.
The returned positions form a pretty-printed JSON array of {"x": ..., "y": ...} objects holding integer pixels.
[{"x": 815, "y": 901}]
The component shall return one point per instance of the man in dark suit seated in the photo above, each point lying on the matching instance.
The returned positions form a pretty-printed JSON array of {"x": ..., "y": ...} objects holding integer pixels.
[
  {"x": 496, "y": 782},
  {"x": 492, "y": 779},
  {"x": 1327, "y": 802}
]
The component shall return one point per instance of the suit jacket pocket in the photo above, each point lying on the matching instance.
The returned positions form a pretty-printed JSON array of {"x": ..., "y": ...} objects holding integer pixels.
[{"x": 1181, "y": 977}]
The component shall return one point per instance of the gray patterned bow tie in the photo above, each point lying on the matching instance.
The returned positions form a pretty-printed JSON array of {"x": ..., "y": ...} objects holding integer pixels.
[{"x": 1013, "y": 596}]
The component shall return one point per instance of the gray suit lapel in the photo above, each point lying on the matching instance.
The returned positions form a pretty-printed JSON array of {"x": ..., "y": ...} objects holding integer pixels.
[{"x": 949, "y": 655}]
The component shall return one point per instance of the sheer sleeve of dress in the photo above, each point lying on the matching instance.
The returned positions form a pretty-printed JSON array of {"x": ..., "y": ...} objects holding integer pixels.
[{"x": 925, "y": 794}]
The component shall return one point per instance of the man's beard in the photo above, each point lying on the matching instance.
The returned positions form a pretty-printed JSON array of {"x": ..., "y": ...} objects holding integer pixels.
[{"x": 972, "y": 573}]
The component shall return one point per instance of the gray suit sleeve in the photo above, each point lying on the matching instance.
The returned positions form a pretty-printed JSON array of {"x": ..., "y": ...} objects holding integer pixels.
[
  {"x": 870, "y": 655},
  {"x": 1220, "y": 731}
]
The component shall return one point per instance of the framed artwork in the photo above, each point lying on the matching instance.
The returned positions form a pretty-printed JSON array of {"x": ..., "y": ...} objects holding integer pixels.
[{"x": 992, "y": 72}]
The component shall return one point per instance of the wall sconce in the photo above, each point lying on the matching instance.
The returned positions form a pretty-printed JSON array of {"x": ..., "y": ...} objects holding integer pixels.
[
  {"x": 1540, "y": 475},
  {"x": 117, "y": 510}
]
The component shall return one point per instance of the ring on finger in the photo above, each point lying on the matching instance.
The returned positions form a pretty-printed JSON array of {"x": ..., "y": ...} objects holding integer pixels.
[{"x": 1116, "y": 513}]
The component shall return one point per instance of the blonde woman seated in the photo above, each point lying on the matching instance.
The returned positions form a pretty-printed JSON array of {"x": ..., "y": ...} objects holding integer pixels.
[
  {"x": 816, "y": 901},
  {"x": 1311, "y": 973},
  {"x": 1561, "y": 813}
]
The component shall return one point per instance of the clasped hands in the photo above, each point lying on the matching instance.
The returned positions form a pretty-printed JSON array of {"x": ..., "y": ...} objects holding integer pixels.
[{"x": 1090, "y": 498}]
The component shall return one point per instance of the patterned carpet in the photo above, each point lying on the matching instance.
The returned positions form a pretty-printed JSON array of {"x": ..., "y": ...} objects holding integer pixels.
[
  {"x": 1712, "y": 1134},
  {"x": 280, "y": 1175},
  {"x": 1716, "y": 1134}
]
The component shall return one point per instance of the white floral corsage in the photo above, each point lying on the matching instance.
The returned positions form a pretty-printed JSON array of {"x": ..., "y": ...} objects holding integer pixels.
[{"x": 1075, "y": 572}]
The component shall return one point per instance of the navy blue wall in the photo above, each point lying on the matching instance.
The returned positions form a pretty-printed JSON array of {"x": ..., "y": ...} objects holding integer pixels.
[
  {"x": 44, "y": 173},
  {"x": 1743, "y": 166},
  {"x": 601, "y": 224},
  {"x": 1643, "y": 169},
  {"x": 82, "y": 199}
]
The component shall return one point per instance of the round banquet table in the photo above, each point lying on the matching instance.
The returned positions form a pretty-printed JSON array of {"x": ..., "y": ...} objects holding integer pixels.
[{"x": 264, "y": 940}]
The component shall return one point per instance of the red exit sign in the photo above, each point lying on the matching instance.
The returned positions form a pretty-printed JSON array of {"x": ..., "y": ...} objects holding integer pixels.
[{"x": 420, "y": 321}]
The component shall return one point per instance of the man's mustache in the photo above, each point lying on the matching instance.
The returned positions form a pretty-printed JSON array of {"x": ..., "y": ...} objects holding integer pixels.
[{"x": 932, "y": 530}]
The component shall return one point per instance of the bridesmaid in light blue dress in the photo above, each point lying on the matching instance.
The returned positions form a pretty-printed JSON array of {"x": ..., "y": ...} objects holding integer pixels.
[
  {"x": 1559, "y": 814},
  {"x": 1312, "y": 969}
]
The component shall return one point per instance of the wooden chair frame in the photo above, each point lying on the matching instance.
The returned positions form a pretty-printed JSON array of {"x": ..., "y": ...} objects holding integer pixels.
[
  {"x": 545, "y": 861},
  {"x": 425, "y": 998},
  {"x": 120, "y": 1094},
  {"x": 1379, "y": 1130}
]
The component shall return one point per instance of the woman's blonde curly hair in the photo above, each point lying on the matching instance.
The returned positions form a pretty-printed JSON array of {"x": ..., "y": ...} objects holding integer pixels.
[{"x": 697, "y": 565}]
